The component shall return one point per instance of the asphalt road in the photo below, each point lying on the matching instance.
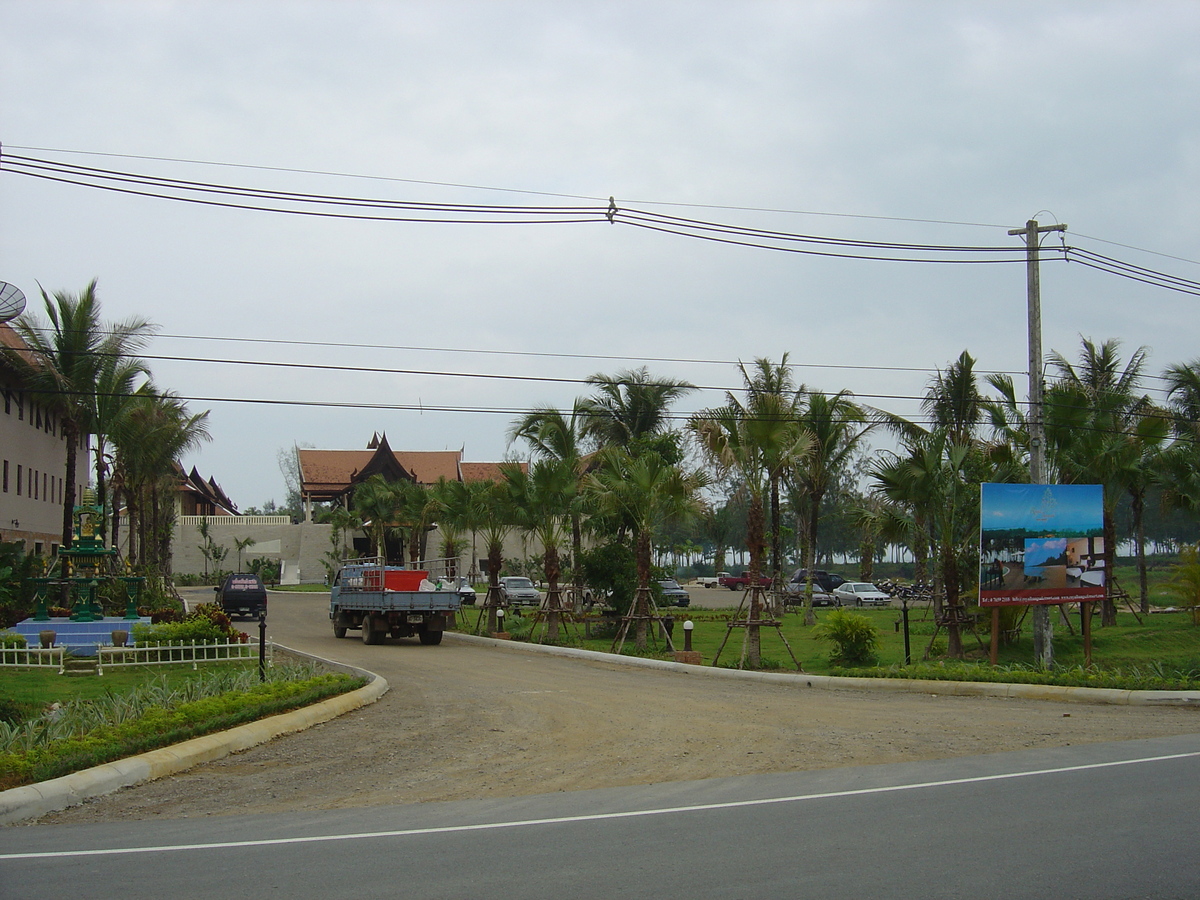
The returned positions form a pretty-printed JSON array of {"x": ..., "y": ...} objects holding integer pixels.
[
  {"x": 1103, "y": 821},
  {"x": 1096, "y": 820}
]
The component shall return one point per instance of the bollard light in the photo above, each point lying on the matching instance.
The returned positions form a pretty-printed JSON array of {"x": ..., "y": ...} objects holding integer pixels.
[
  {"x": 687, "y": 634},
  {"x": 500, "y": 619},
  {"x": 262, "y": 645}
]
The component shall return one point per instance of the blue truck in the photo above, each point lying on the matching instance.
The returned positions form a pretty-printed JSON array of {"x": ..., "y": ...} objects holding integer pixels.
[{"x": 382, "y": 601}]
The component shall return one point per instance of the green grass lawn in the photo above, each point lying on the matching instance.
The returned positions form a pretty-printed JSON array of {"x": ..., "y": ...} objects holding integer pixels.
[
  {"x": 46, "y": 686},
  {"x": 1164, "y": 640}
]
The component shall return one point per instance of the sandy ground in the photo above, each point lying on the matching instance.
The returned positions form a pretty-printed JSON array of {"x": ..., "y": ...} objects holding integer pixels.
[{"x": 465, "y": 721}]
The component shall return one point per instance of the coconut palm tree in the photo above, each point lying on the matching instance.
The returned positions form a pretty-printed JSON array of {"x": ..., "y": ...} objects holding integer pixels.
[
  {"x": 738, "y": 440},
  {"x": 118, "y": 379},
  {"x": 836, "y": 426},
  {"x": 552, "y": 434},
  {"x": 64, "y": 366},
  {"x": 773, "y": 397},
  {"x": 648, "y": 492},
  {"x": 1100, "y": 428},
  {"x": 630, "y": 409},
  {"x": 377, "y": 504},
  {"x": 150, "y": 437}
]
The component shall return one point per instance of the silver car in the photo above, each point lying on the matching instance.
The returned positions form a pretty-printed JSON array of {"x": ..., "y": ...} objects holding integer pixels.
[
  {"x": 517, "y": 590},
  {"x": 860, "y": 593}
]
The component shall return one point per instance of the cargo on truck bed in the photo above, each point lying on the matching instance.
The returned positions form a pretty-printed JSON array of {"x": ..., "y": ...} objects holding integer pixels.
[{"x": 383, "y": 600}]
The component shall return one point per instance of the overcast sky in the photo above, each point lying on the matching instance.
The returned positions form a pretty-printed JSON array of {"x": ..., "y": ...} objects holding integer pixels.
[{"x": 932, "y": 123}]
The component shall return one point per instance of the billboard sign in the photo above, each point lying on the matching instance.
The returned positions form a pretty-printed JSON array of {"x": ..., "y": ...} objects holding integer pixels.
[{"x": 1041, "y": 543}]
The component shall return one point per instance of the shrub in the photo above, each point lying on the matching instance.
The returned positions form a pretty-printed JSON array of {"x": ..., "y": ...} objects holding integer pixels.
[
  {"x": 855, "y": 639},
  {"x": 206, "y": 623},
  {"x": 12, "y": 639}
]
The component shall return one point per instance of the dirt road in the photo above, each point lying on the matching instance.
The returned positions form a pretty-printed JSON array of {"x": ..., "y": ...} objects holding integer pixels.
[{"x": 465, "y": 721}]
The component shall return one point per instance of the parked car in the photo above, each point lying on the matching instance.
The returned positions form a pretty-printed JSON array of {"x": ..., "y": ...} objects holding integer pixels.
[
  {"x": 861, "y": 593},
  {"x": 793, "y": 593},
  {"x": 517, "y": 590},
  {"x": 466, "y": 592},
  {"x": 242, "y": 594},
  {"x": 673, "y": 594},
  {"x": 826, "y": 581}
]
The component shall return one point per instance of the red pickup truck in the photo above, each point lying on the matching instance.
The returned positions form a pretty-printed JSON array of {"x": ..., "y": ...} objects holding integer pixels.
[{"x": 741, "y": 582}]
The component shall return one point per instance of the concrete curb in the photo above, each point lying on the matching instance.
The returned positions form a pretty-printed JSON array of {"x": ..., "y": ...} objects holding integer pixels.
[
  {"x": 30, "y": 801},
  {"x": 1106, "y": 696}
]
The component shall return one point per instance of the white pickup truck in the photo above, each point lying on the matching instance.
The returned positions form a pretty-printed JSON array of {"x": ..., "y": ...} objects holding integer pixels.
[{"x": 711, "y": 581}]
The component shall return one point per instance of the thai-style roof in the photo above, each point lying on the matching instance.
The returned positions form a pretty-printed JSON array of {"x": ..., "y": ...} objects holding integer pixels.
[
  {"x": 485, "y": 471},
  {"x": 202, "y": 498},
  {"x": 327, "y": 474}
]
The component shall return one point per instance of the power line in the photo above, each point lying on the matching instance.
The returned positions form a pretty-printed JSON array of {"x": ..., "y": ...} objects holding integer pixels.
[
  {"x": 479, "y": 187},
  {"x": 414, "y": 212}
]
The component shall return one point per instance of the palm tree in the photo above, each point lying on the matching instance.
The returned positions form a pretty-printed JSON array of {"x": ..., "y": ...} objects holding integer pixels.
[
  {"x": 936, "y": 481},
  {"x": 551, "y": 434},
  {"x": 738, "y": 440},
  {"x": 836, "y": 425},
  {"x": 1183, "y": 396},
  {"x": 773, "y": 397},
  {"x": 497, "y": 520},
  {"x": 648, "y": 492},
  {"x": 631, "y": 409},
  {"x": 541, "y": 500},
  {"x": 417, "y": 511},
  {"x": 931, "y": 489},
  {"x": 65, "y": 365},
  {"x": 448, "y": 511},
  {"x": 115, "y": 388},
  {"x": 377, "y": 504},
  {"x": 152, "y": 434},
  {"x": 1098, "y": 428}
]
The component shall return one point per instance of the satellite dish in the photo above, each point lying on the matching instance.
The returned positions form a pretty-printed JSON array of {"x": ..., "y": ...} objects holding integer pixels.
[{"x": 12, "y": 301}]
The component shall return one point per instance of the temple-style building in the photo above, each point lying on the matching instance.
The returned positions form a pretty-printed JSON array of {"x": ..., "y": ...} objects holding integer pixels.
[{"x": 330, "y": 476}]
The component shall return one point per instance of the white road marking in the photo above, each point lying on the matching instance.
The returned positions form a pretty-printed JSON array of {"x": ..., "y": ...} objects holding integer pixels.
[{"x": 561, "y": 820}]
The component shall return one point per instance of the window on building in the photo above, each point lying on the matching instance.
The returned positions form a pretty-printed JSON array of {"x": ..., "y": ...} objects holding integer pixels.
[
  {"x": 6, "y": 476},
  {"x": 33, "y": 484},
  {"x": 19, "y": 471},
  {"x": 38, "y": 546}
]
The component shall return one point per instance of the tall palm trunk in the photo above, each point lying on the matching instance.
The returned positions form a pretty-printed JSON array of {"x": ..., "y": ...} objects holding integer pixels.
[
  {"x": 756, "y": 544},
  {"x": 641, "y": 609},
  {"x": 1108, "y": 613},
  {"x": 553, "y": 572},
  {"x": 814, "y": 505},
  {"x": 950, "y": 579},
  {"x": 1138, "y": 504},
  {"x": 71, "y": 435}
]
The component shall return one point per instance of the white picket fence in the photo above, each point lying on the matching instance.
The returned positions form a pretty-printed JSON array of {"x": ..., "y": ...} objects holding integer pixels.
[
  {"x": 34, "y": 657},
  {"x": 177, "y": 653}
]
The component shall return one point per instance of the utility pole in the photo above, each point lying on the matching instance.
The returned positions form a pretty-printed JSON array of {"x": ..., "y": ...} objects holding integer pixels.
[{"x": 1043, "y": 624}]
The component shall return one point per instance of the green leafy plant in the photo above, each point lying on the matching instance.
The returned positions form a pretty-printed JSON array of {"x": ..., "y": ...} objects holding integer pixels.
[
  {"x": 85, "y": 733},
  {"x": 13, "y": 640},
  {"x": 1185, "y": 585},
  {"x": 206, "y": 623},
  {"x": 855, "y": 639}
]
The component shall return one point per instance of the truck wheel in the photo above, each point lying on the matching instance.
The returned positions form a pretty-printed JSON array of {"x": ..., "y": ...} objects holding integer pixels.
[
  {"x": 429, "y": 638},
  {"x": 339, "y": 631},
  {"x": 371, "y": 634}
]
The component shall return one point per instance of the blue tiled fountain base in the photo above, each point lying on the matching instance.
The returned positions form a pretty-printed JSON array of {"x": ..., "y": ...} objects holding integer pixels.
[{"x": 81, "y": 638}]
